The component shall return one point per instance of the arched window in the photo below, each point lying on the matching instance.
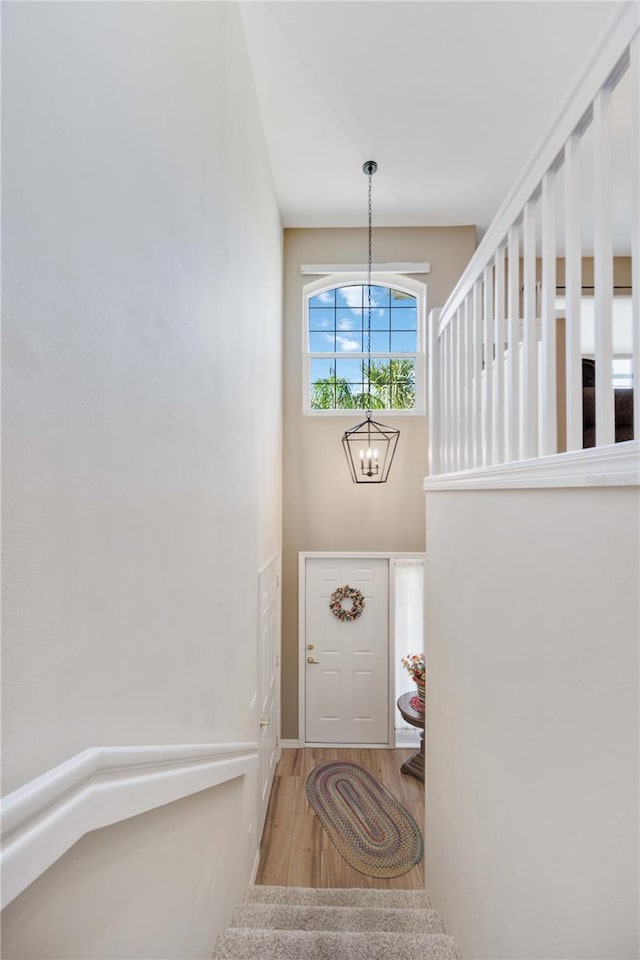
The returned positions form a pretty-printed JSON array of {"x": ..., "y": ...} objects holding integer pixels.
[{"x": 336, "y": 337}]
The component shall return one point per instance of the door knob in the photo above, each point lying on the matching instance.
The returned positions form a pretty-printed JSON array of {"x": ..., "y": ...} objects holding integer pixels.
[
  {"x": 265, "y": 723},
  {"x": 311, "y": 660}
]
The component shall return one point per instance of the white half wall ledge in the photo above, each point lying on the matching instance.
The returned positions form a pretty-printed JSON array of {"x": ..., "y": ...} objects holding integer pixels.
[
  {"x": 101, "y": 786},
  {"x": 615, "y": 465}
]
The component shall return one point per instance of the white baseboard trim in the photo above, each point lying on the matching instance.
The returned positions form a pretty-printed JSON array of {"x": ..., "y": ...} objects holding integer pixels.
[
  {"x": 349, "y": 746},
  {"x": 101, "y": 786},
  {"x": 406, "y": 739},
  {"x": 403, "y": 739},
  {"x": 254, "y": 869}
]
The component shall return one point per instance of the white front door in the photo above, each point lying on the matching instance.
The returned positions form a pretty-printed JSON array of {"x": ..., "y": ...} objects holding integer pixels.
[
  {"x": 347, "y": 662},
  {"x": 268, "y": 683}
]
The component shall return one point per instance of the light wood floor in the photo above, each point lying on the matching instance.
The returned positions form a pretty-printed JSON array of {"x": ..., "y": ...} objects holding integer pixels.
[{"x": 296, "y": 851}]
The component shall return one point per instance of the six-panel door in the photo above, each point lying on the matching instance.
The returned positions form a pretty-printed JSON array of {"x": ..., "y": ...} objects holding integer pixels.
[{"x": 347, "y": 687}]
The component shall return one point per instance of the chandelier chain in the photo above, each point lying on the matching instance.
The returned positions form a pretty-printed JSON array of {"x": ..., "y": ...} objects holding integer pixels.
[
  {"x": 369, "y": 303},
  {"x": 369, "y": 446}
]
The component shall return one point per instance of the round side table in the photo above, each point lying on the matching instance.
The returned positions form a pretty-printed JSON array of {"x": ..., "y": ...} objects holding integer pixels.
[{"x": 414, "y": 766}]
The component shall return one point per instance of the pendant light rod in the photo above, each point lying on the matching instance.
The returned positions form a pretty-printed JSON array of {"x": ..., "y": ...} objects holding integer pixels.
[{"x": 370, "y": 446}]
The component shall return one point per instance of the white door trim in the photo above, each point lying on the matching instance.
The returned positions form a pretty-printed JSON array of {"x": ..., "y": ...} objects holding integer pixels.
[
  {"x": 303, "y": 556},
  {"x": 276, "y": 563}
]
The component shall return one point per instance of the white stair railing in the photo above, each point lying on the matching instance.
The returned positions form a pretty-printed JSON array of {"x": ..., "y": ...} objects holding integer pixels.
[
  {"x": 493, "y": 385},
  {"x": 41, "y": 820}
]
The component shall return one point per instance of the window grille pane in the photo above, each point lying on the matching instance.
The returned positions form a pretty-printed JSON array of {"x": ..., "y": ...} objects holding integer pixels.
[
  {"x": 406, "y": 319},
  {"x": 380, "y": 364},
  {"x": 326, "y": 299},
  {"x": 321, "y": 319},
  {"x": 379, "y": 342},
  {"x": 321, "y": 368},
  {"x": 349, "y": 369},
  {"x": 322, "y": 342},
  {"x": 348, "y": 319},
  {"x": 349, "y": 296},
  {"x": 403, "y": 390},
  {"x": 379, "y": 319},
  {"x": 348, "y": 342},
  {"x": 379, "y": 297},
  {"x": 400, "y": 299},
  {"x": 403, "y": 342}
]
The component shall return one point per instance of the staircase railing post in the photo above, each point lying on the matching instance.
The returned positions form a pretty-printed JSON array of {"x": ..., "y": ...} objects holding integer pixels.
[{"x": 435, "y": 407}]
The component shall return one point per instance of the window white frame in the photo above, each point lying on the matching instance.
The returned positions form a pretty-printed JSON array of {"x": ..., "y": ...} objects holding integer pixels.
[{"x": 408, "y": 285}]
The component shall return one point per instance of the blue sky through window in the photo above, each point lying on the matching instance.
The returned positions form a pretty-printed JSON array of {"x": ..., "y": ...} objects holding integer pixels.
[{"x": 338, "y": 320}]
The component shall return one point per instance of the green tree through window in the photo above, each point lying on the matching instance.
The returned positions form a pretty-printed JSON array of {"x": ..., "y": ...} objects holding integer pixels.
[{"x": 392, "y": 386}]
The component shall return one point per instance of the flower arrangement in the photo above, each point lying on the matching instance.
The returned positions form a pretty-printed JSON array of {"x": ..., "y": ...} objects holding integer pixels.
[{"x": 415, "y": 666}]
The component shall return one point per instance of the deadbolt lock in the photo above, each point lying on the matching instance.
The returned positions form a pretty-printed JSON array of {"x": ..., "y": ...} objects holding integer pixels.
[{"x": 309, "y": 646}]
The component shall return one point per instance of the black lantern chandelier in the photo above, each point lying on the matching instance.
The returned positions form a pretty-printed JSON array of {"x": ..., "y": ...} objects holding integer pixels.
[{"x": 370, "y": 446}]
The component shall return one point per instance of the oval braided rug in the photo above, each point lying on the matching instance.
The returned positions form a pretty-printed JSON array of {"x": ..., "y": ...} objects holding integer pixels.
[{"x": 366, "y": 824}]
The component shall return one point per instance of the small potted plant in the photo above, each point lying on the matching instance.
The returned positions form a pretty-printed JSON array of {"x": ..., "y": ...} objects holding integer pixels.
[{"x": 415, "y": 667}]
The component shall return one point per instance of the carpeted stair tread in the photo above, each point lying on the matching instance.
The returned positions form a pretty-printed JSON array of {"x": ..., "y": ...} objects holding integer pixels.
[
  {"x": 355, "y": 919},
  {"x": 339, "y": 897},
  {"x": 246, "y": 944}
]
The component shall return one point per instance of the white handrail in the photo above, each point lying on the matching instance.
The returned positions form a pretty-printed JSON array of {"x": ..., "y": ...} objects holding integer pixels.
[
  {"x": 610, "y": 50},
  {"x": 100, "y": 786}
]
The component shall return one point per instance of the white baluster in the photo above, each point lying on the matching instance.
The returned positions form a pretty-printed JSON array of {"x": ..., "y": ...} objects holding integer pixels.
[
  {"x": 446, "y": 422},
  {"x": 603, "y": 267},
  {"x": 468, "y": 381},
  {"x": 487, "y": 336},
  {"x": 459, "y": 391},
  {"x": 634, "y": 78},
  {"x": 548, "y": 377},
  {"x": 499, "y": 337},
  {"x": 530, "y": 368},
  {"x": 513, "y": 359},
  {"x": 450, "y": 411},
  {"x": 451, "y": 374},
  {"x": 435, "y": 399},
  {"x": 477, "y": 374},
  {"x": 573, "y": 291}
]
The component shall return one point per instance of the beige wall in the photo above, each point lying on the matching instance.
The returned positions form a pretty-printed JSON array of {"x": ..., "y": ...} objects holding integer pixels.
[
  {"x": 323, "y": 509},
  {"x": 532, "y": 727},
  {"x": 621, "y": 271},
  {"x": 141, "y": 442}
]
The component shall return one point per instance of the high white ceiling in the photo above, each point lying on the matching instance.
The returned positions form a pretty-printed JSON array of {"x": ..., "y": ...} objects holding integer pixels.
[{"x": 450, "y": 98}]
